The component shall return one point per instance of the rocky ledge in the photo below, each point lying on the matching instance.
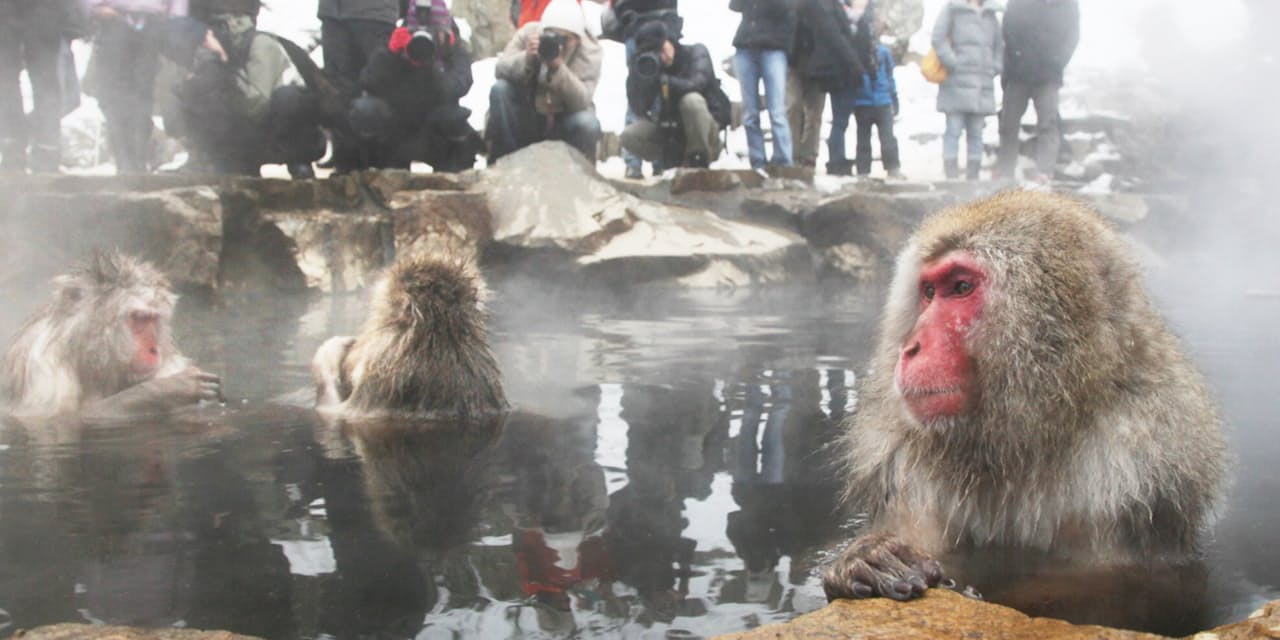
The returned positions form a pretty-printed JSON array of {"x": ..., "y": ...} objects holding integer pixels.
[
  {"x": 946, "y": 614},
  {"x": 542, "y": 210}
]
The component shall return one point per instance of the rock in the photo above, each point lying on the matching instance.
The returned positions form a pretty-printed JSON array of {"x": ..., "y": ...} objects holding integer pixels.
[
  {"x": 384, "y": 185},
  {"x": 858, "y": 234},
  {"x": 785, "y": 209},
  {"x": 490, "y": 22},
  {"x": 686, "y": 180},
  {"x": 946, "y": 614},
  {"x": 547, "y": 200},
  {"x": 441, "y": 223},
  {"x": 336, "y": 252},
  {"x": 178, "y": 230},
  {"x": 793, "y": 173},
  {"x": 1124, "y": 208},
  {"x": 100, "y": 632}
]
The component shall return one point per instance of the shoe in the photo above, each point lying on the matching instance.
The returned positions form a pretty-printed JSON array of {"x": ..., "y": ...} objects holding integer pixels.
[
  {"x": 951, "y": 168},
  {"x": 302, "y": 171},
  {"x": 896, "y": 174},
  {"x": 972, "y": 170},
  {"x": 633, "y": 173},
  {"x": 839, "y": 168}
]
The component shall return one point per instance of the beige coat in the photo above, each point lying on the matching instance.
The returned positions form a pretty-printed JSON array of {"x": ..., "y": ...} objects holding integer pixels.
[{"x": 569, "y": 89}]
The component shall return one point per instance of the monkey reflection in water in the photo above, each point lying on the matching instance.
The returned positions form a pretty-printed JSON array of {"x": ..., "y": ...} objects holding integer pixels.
[
  {"x": 101, "y": 347},
  {"x": 1025, "y": 395}
]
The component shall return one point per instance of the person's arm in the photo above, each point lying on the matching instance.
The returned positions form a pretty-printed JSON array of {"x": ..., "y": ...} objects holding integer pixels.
[
  {"x": 886, "y": 59},
  {"x": 941, "y": 39},
  {"x": 700, "y": 75},
  {"x": 641, "y": 94},
  {"x": 457, "y": 69},
  {"x": 997, "y": 55},
  {"x": 379, "y": 74},
  {"x": 513, "y": 62}
]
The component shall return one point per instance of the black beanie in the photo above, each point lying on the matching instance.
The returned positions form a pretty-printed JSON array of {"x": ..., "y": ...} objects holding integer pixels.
[{"x": 651, "y": 35}]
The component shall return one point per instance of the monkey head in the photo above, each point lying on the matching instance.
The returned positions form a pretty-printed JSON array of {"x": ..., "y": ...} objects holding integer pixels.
[
  {"x": 117, "y": 311},
  {"x": 995, "y": 309}
]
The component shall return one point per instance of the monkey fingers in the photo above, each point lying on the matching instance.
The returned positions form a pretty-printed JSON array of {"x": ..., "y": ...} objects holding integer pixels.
[{"x": 881, "y": 566}]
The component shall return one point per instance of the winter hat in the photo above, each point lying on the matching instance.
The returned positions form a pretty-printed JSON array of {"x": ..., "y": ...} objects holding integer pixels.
[
  {"x": 651, "y": 35},
  {"x": 565, "y": 14}
]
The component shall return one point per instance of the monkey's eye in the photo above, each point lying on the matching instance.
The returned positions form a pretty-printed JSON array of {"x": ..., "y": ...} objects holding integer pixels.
[
  {"x": 961, "y": 288},
  {"x": 928, "y": 291}
]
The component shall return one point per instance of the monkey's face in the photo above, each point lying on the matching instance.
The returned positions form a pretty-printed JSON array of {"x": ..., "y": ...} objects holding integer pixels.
[
  {"x": 143, "y": 320},
  {"x": 935, "y": 375}
]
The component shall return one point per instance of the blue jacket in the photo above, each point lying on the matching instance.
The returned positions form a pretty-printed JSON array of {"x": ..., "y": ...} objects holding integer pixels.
[{"x": 878, "y": 88}]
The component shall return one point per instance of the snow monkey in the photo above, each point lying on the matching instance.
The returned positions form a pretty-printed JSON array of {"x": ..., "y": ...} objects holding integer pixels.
[
  {"x": 1024, "y": 394},
  {"x": 422, "y": 350},
  {"x": 101, "y": 347}
]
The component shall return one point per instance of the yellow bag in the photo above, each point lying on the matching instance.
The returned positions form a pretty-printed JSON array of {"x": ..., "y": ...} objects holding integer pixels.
[{"x": 931, "y": 67}]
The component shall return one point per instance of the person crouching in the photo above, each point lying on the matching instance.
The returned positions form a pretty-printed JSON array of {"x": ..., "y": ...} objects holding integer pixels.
[
  {"x": 673, "y": 90},
  {"x": 546, "y": 81}
]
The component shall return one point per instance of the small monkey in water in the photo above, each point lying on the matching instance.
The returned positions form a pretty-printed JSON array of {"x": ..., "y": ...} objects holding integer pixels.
[
  {"x": 101, "y": 347},
  {"x": 423, "y": 349}
]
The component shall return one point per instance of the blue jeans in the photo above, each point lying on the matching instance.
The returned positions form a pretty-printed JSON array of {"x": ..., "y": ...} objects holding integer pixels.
[
  {"x": 770, "y": 65},
  {"x": 841, "y": 109},
  {"x": 971, "y": 125}
]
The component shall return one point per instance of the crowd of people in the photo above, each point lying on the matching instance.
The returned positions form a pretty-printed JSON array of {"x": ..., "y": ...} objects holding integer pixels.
[{"x": 394, "y": 73}]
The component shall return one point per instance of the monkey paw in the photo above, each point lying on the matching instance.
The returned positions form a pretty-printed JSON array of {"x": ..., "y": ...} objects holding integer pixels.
[{"x": 881, "y": 566}]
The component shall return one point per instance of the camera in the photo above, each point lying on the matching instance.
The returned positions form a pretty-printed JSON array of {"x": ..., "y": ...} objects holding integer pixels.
[
  {"x": 647, "y": 65},
  {"x": 550, "y": 44},
  {"x": 422, "y": 46}
]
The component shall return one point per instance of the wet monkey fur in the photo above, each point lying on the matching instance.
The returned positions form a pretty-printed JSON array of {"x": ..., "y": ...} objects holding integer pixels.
[
  {"x": 423, "y": 349},
  {"x": 1023, "y": 393},
  {"x": 101, "y": 347}
]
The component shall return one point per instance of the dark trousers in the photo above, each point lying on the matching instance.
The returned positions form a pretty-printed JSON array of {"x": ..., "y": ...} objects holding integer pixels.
[
  {"x": 841, "y": 109},
  {"x": 229, "y": 142},
  {"x": 514, "y": 124},
  {"x": 442, "y": 138},
  {"x": 127, "y": 64},
  {"x": 31, "y": 38},
  {"x": 348, "y": 44},
  {"x": 1017, "y": 95},
  {"x": 881, "y": 118}
]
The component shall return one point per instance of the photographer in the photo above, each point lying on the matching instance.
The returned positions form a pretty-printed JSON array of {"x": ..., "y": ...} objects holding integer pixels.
[
  {"x": 680, "y": 108},
  {"x": 237, "y": 109},
  {"x": 413, "y": 85},
  {"x": 546, "y": 80}
]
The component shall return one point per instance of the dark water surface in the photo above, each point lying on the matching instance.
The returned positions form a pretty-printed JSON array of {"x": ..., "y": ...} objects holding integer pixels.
[{"x": 662, "y": 476}]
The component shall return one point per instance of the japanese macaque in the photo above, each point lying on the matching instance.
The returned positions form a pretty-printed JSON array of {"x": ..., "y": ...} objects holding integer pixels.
[
  {"x": 423, "y": 349},
  {"x": 101, "y": 347},
  {"x": 1024, "y": 394}
]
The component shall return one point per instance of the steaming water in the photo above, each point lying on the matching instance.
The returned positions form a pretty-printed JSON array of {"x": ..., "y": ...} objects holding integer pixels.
[{"x": 662, "y": 476}]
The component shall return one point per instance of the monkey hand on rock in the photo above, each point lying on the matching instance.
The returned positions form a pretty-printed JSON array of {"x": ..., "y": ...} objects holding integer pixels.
[{"x": 881, "y": 565}]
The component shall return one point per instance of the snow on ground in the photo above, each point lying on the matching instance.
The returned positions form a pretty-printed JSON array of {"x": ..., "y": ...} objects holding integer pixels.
[{"x": 1111, "y": 42}]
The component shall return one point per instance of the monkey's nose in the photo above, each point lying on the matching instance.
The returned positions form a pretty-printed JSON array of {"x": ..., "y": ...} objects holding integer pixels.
[{"x": 912, "y": 349}]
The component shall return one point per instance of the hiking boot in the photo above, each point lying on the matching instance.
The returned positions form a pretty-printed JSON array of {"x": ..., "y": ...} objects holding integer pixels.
[
  {"x": 839, "y": 167},
  {"x": 896, "y": 174},
  {"x": 972, "y": 170}
]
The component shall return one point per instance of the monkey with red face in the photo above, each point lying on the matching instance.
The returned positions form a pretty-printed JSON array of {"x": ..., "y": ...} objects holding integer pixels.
[
  {"x": 1024, "y": 394},
  {"x": 101, "y": 347}
]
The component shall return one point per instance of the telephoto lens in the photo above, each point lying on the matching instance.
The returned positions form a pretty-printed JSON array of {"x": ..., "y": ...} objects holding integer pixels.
[
  {"x": 647, "y": 65},
  {"x": 422, "y": 46}
]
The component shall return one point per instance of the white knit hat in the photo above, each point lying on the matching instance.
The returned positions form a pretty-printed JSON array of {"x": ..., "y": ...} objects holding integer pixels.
[{"x": 565, "y": 14}]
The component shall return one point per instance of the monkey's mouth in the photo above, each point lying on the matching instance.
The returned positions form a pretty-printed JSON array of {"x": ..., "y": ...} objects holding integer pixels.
[{"x": 931, "y": 403}]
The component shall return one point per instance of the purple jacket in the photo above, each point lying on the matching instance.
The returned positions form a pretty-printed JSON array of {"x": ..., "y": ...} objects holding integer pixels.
[{"x": 159, "y": 7}]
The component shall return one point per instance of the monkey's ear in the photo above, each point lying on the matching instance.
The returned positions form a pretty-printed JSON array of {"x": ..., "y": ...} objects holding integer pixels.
[{"x": 67, "y": 290}]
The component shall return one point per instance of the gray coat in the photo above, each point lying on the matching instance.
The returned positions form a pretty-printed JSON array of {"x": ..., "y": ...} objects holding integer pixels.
[
  {"x": 970, "y": 46},
  {"x": 387, "y": 11}
]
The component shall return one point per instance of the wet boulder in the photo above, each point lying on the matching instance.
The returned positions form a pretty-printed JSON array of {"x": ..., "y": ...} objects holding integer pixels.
[
  {"x": 856, "y": 234},
  {"x": 548, "y": 202}
]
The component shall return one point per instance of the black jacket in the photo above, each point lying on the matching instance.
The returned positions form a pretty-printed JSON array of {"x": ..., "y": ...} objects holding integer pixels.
[
  {"x": 1039, "y": 38},
  {"x": 766, "y": 24},
  {"x": 633, "y": 13},
  {"x": 826, "y": 48},
  {"x": 690, "y": 72},
  {"x": 414, "y": 93}
]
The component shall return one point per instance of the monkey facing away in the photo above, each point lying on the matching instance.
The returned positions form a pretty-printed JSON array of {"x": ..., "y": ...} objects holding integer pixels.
[
  {"x": 101, "y": 347},
  {"x": 1024, "y": 393},
  {"x": 423, "y": 350}
]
